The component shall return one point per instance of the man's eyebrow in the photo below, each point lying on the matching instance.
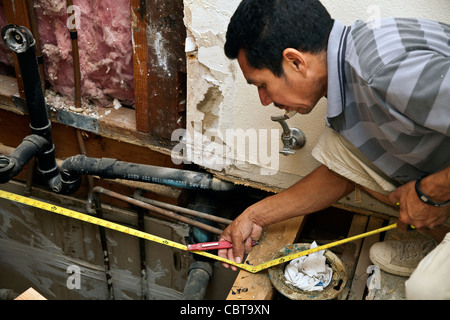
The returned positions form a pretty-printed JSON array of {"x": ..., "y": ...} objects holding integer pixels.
[{"x": 250, "y": 81}]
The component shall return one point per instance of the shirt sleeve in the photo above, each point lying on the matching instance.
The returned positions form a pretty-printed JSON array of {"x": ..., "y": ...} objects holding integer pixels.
[{"x": 417, "y": 85}]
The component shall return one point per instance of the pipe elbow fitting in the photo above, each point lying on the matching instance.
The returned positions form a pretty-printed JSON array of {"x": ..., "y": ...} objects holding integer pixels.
[
  {"x": 12, "y": 164},
  {"x": 6, "y": 169}
]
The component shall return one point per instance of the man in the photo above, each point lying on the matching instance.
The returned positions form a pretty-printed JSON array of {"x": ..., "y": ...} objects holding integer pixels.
[{"x": 388, "y": 120}]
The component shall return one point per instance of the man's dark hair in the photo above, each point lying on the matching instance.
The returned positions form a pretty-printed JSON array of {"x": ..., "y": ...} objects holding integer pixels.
[{"x": 265, "y": 28}]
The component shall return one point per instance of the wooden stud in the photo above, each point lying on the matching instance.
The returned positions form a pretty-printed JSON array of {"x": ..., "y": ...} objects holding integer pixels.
[
  {"x": 257, "y": 286},
  {"x": 166, "y": 35},
  {"x": 140, "y": 64},
  {"x": 359, "y": 282},
  {"x": 30, "y": 294}
]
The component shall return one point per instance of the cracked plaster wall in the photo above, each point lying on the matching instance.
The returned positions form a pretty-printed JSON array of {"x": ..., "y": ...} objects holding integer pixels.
[{"x": 219, "y": 97}]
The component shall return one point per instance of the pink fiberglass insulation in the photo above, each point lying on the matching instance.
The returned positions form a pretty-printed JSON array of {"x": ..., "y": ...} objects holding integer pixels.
[
  {"x": 6, "y": 55},
  {"x": 105, "y": 48}
]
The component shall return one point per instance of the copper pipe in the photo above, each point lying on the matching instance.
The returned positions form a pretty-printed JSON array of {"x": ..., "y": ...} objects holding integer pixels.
[
  {"x": 191, "y": 212},
  {"x": 35, "y": 32},
  {"x": 152, "y": 208},
  {"x": 83, "y": 151},
  {"x": 76, "y": 60}
]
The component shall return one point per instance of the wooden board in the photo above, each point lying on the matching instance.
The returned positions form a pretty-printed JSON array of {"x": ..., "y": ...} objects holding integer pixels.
[
  {"x": 352, "y": 250},
  {"x": 8, "y": 88},
  {"x": 360, "y": 278},
  {"x": 141, "y": 86},
  {"x": 30, "y": 294},
  {"x": 166, "y": 34},
  {"x": 257, "y": 286}
]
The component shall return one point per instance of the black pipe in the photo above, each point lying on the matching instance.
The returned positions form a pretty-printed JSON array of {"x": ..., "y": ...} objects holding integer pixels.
[
  {"x": 104, "y": 243},
  {"x": 199, "y": 276},
  {"x": 72, "y": 169},
  {"x": 20, "y": 40},
  {"x": 12, "y": 164},
  {"x": 201, "y": 270}
]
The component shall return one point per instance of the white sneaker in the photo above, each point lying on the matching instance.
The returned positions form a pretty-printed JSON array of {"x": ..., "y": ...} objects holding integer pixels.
[{"x": 400, "y": 257}]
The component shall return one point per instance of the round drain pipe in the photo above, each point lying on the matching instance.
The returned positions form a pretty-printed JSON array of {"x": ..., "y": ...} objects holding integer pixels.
[
  {"x": 73, "y": 167},
  {"x": 12, "y": 164},
  {"x": 199, "y": 275}
]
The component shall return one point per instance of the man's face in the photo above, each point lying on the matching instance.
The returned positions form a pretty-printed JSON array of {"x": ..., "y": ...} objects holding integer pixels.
[{"x": 299, "y": 89}]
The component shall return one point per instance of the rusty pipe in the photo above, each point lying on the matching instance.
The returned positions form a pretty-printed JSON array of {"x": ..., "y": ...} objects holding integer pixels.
[
  {"x": 75, "y": 57},
  {"x": 35, "y": 32},
  {"x": 137, "y": 195},
  {"x": 149, "y": 207}
]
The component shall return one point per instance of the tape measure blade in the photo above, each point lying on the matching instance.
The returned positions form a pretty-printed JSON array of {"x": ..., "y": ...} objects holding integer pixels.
[
  {"x": 296, "y": 255},
  {"x": 134, "y": 232},
  {"x": 107, "y": 224}
]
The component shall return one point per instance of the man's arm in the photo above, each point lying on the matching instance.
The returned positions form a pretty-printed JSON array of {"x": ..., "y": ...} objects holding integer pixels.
[{"x": 315, "y": 192}]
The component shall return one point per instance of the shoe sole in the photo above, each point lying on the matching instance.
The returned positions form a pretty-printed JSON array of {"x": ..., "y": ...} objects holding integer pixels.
[{"x": 383, "y": 265}]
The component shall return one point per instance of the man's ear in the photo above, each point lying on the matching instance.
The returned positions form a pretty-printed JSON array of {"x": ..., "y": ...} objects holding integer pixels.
[{"x": 295, "y": 59}]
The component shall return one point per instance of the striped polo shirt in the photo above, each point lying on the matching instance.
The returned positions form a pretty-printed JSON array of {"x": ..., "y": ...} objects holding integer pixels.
[{"x": 389, "y": 93}]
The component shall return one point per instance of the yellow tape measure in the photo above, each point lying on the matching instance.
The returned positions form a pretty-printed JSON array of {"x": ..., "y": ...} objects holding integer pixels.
[{"x": 140, "y": 234}]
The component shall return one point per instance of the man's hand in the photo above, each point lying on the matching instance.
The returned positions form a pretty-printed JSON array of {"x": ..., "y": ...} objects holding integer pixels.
[
  {"x": 241, "y": 233},
  {"x": 415, "y": 212}
]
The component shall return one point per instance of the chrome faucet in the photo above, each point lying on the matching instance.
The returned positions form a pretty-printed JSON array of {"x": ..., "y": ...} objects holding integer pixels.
[{"x": 293, "y": 139}]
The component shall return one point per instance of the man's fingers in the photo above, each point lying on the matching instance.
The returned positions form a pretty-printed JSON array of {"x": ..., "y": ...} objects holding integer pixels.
[
  {"x": 230, "y": 256},
  {"x": 402, "y": 226},
  {"x": 248, "y": 245},
  {"x": 223, "y": 253},
  {"x": 394, "y": 196}
]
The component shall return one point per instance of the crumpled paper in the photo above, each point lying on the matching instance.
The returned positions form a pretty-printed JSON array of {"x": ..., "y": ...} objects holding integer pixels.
[{"x": 309, "y": 273}]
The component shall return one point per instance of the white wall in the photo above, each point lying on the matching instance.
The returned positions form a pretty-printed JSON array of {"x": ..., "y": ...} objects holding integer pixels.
[{"x": 219, "y": 97}]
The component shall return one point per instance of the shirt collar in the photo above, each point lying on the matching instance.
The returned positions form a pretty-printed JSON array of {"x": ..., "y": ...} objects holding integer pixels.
[{"x": 335, "y": 59}]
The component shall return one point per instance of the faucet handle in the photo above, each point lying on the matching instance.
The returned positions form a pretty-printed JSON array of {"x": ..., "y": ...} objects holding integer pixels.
[
  {"x": 292, "y": 142},
  {"x": 287, "y": 151},
  {"x": 292, "y": 138}
]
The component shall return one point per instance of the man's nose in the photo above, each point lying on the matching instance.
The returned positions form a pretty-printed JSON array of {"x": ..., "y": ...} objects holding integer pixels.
[{"x": 264, "y": 97}]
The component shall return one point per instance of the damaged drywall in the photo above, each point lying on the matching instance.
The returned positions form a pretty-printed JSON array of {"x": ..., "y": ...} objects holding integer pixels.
[
  {"x": 219, "y": 99},
  {"x": 211, "y": 89},
  {"x": 227, "y": 130}
]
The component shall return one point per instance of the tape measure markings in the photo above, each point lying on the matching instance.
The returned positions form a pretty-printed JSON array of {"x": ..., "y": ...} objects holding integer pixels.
[{"x": 137, "y": 233}]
